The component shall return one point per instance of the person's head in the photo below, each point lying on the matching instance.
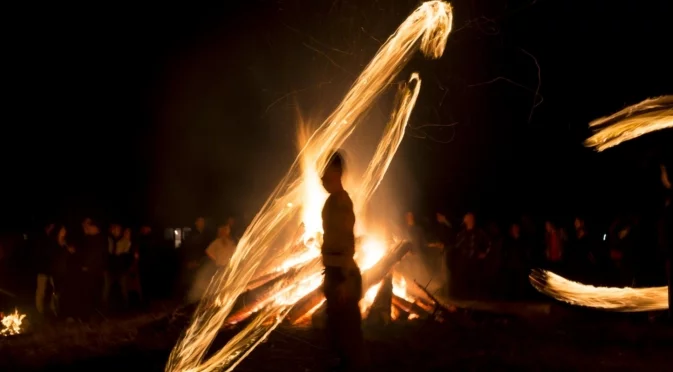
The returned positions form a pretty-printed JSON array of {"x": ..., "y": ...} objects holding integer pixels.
[
  {"x": 410, "y": 218},
  {"x": 549, "y": 226},
  {"x": 115, "y": 230},
  {"x": 145, "y": 230},
  {"x": 200, "y": 224},
  {"x": 60, "y": 234},
  {"x": 579, "y": 223},
  {"x": 86, "y": 223},
  {"x": 127, "y": 233},
  {"x": 469, "y": 220},
  {"x": 231, "y": 221},
  {"x": 331, "y": 178},
  {"x": 49, "y": 228},
  {"x": 515, "y": 231},
  {"x": 92, "y": 228},
  {"x": 440, "y": 217},
  {"x": 224, "y": 231}
]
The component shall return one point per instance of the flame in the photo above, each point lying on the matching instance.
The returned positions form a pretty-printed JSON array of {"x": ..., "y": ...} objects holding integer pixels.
[
  {"x": 300, "y": 197},
  {"x": 616, "y": 299},
  {"x": 632, "y": 122},
  {"x": 400, "y": 288},
  {"x": 12, "y": 323},
  {"x": 369, "y": 297}
]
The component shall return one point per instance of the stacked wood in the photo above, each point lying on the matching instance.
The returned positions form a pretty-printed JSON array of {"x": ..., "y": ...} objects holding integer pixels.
[{"x": 371, "y": 277}]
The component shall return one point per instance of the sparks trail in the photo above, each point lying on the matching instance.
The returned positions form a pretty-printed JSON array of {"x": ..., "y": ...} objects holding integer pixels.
[
  {"x": 299, "y": 198},
  {"x": 608, "y": 298},
  {"x": 536, "y": 103},
  {"x": 632, "y": 122}
]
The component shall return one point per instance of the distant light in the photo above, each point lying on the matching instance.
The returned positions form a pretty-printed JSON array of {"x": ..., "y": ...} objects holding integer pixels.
[
  {"x": 289, "y": 205},
  {"x": 175, "y": 231},
  {"x": 605, "y": 237}
]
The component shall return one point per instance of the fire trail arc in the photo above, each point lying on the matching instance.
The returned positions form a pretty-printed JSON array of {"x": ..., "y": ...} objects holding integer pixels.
[
  {"x": 265, "y": 247},
  {"x": 650, "y": 115}
]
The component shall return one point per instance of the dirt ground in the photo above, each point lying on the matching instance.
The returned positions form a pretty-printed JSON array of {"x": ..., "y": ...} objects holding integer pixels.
[{"x": 566, "y": 339}]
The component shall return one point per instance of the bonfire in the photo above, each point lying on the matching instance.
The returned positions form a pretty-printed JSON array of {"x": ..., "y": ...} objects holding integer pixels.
[{"x": 276, "y": 272}]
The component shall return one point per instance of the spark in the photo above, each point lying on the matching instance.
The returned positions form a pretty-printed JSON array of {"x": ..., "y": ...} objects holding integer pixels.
[
  {"x": 610, "y": 298},
  {"x": 264, "y": 242},
  {"x": 632, "y": 122}
]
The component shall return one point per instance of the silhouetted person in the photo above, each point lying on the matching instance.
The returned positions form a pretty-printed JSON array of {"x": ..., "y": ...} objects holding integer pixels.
[
  {"x": 193, "y": 252},
  {"x": 44, "y": 255},
  {"x": 665, "y": 228},
  {"x": 152, "y": 268},
  {"x": 343, "y": 284},
  {"x": 473, "y": 245},
  {"x": 222, "y": 248},
  {"x": 554, "y": 245},
  {"x": 513, "y": 258},
  {"x": 93, "y": 255},
  {"x": 581, "y": 255}
]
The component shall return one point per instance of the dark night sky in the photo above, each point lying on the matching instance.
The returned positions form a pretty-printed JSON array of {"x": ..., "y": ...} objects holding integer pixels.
[{"x": 165, "y": 112}]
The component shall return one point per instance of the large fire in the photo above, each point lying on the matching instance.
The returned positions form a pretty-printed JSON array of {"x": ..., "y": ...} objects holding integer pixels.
[
  {"x": 12, "y": 323},
  {"x": 266, "y": 247},
  {"x": 632, "y": 122}
]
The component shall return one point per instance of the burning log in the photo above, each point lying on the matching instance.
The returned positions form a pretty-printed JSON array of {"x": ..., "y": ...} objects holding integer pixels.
[
  {"x": 379, "y": 312},
  {"x": 382, "y": 268},
  {"x": 410, "y": 307},
  {"x": 251, "y": 300},
  {"x": 434, "y": 301},
  {"x": 371, "y": 277}
]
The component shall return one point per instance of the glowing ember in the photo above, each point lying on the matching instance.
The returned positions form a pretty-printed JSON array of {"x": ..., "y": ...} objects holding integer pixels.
[
  {"x": 265, "y": 247},
  {"x": 12, "y": 323},
  {"x": 632, "y": 122},
  {"x": 616, "y": 299}
]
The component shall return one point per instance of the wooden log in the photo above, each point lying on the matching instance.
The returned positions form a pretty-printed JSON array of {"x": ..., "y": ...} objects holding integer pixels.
[
  {"x": 409, "y": 307},
  {"x": 379, "y": 312},
  {"x": 249, "y": 301},
  {"x": 369, "y": 278},
  {"x": 398, "y": 313}
]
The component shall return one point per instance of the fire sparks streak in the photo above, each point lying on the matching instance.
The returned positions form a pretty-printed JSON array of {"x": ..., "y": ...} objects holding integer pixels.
[
  {"x": 300, "y": 196},
  {"x": 632, "y": 122},
  {"x": 12, "y": 323},
  {"x": 616, "y": 299}
]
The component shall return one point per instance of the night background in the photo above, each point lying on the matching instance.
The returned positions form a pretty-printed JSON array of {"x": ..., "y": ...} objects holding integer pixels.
[{"x": 162, "y": 113}]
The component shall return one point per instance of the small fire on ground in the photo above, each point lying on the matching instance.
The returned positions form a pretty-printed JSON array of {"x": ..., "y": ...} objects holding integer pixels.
[{"x": 11, "y": 323}]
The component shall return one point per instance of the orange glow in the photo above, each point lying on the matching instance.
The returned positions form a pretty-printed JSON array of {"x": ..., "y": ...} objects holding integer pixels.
[{"x": 265, "y": 248}]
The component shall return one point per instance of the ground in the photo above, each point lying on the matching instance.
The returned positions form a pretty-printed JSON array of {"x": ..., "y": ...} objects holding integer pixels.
[{"x": 565, "y": 339}]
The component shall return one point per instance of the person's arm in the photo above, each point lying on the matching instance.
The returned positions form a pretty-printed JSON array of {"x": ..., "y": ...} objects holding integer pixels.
[
  {"x": 210, "y": 252},
  {"x": 664, "y": 177}
]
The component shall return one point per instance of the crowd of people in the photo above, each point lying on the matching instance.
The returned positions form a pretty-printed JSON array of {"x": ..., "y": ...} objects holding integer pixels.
[
  {"x": 494, "y": 263},
  {"x": 78, "y": 273}
]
